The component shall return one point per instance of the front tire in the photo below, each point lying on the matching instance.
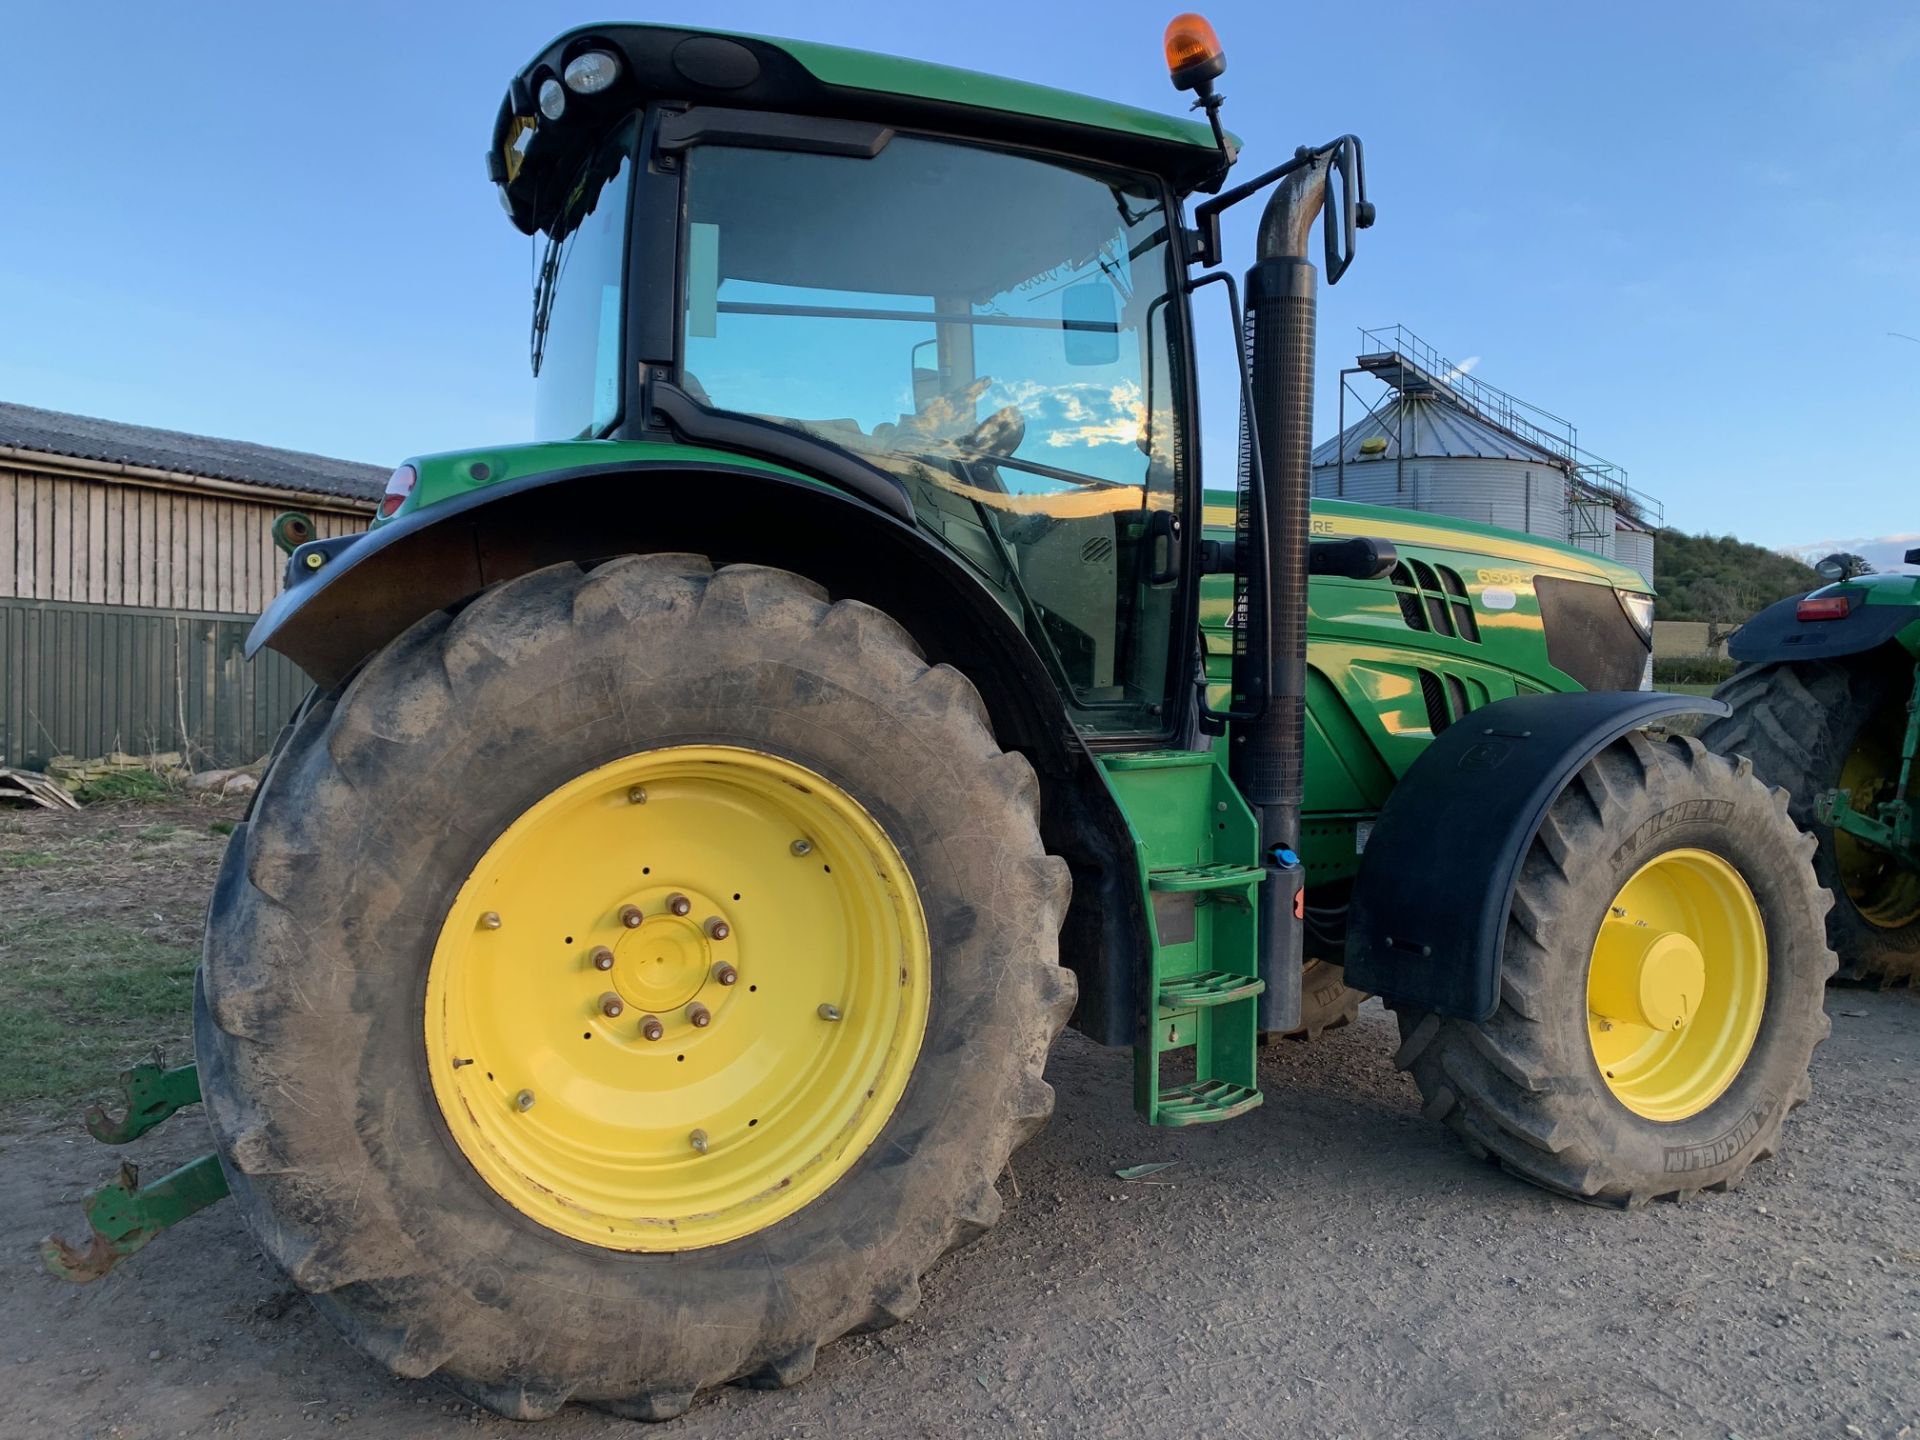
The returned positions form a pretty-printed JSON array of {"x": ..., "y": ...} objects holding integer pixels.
[
  {"x": 1659, "y": 831},
  {"x": 388, "y": 807}
]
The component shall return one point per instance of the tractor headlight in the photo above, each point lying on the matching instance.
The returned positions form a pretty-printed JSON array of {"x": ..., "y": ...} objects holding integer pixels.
[
  {"x": 591, "y": 72},
  {"x": 1639, "y": 608},
  {"x": 553, "y": 98}
]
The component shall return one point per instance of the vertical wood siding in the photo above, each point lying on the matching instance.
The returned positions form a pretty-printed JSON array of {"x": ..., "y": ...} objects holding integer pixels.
[
  {"x": 123, "y": 612},
  {"x": 95, "y": 542}
]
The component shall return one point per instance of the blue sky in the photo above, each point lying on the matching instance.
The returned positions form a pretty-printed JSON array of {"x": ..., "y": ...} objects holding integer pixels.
[{"x": 1686, "y": 227}]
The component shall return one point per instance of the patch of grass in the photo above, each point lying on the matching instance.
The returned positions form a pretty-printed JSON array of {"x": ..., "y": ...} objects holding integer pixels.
[
  {"x": 80, "y": 1001},
  {"x": 139, "y": 787},
  {"x": 1672, "y": 670},
  {"x": 159, "y": 832},
  {"x": 221, "y": 827},
  {"x": 29, "y": 860}
]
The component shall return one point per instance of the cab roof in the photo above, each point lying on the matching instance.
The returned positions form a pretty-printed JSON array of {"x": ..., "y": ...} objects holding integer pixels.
[{"x": 751, "y": 72}]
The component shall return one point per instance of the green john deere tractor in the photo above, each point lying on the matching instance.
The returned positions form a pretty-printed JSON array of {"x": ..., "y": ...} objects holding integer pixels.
[
  {"x": 1826, "y": 704},
  {"x": 642, "y": 955}
]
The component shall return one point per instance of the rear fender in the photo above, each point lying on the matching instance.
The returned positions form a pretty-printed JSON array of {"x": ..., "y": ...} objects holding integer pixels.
[
  {"x": 1428, "y": 922},
  {"x": 367, "y": 589},
  {"x": 1777, "y": 633}
]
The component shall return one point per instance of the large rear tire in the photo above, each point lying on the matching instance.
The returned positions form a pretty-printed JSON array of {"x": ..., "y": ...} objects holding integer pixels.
[
  {"x": 1684, "y": 864},
  {"x": 1326, "y": 1000},
  {"x": 392, "y": 924},
  {"x": 1810, "y": 727}
]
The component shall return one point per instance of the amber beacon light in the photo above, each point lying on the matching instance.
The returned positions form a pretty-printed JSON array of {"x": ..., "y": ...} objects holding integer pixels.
[{"x": 1195, "y": 58}]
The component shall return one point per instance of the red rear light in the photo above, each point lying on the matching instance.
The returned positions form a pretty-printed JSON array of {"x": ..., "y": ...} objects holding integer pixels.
[
  {"x": 1823, "y": 607},
  {"x": 399, "y": 485}
]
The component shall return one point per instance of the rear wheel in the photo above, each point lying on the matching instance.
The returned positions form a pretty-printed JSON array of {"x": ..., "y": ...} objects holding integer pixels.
[
  {"x": 1326, "y": 1000},
  {"x": 1837, "y": 724},
  {"x": 1661, "y": 990},
  {"x": 630, "y": 983}
]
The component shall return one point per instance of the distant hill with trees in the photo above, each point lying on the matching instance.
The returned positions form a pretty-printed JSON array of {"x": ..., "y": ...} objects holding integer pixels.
[{"x": 1719, "y": 579}]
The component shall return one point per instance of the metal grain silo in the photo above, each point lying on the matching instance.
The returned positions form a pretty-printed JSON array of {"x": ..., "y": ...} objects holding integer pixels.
[
  {"x": 1424, "y": 452},
  {"x": 1633, "y": 545},
  {"x": 1591, "y": 522}
]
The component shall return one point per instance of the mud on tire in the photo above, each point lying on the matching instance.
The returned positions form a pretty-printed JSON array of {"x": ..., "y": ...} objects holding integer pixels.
[
  {"x": 309, "y": 1003},
  {"x": 1524, "y": 1088}
]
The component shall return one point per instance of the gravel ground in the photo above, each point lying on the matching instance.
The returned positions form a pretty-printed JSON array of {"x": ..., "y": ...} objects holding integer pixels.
[{"x": 1331, "y": 1265}]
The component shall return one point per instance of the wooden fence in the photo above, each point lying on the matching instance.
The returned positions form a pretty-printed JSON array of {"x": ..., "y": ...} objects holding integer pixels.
[{"x": 89, "y": 679}]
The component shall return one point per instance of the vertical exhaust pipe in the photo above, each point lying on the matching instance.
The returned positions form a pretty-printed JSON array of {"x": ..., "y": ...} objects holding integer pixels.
[{"x": 1282, "y": 289}]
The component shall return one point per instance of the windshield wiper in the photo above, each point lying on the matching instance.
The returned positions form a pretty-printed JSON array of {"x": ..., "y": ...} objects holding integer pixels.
[
  {"x": 544, "y": 286},
  {"x": 1033, "y": 467}
]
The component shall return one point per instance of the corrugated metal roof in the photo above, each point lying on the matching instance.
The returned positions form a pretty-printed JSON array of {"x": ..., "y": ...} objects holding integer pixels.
[
  {"x": 1433, "y": 429},
  {"x": 52, "y": 432}
]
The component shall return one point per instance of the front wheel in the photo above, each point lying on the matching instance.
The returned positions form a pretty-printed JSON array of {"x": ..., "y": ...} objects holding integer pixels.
[
  {"x": 1662, "y": 989},
  {"x": 628, "y": 983}
]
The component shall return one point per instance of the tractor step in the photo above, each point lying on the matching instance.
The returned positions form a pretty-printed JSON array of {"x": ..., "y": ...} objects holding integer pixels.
[
  {"x": 1198, "y": 853},
  {"x": 1209, "y": 987},
  {"x": 1205, "y": 877},
  {"x": 1206, "y": 1102}
]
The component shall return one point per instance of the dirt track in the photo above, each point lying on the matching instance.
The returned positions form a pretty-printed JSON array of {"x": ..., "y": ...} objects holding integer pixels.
[{"x": 1331, "y": 1265}]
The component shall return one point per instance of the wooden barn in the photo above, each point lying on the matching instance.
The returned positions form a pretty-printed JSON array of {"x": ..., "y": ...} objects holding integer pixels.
[{"x": 132, "y": 563}]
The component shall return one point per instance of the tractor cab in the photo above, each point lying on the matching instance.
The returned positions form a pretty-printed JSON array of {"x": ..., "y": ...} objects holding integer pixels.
[{"x": 996, "y": 330}]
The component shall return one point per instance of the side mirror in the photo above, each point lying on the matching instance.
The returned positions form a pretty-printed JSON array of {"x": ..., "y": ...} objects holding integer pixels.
[{"x": 1090, "y": 324}]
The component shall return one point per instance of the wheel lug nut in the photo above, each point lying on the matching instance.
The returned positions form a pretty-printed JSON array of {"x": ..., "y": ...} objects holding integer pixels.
[
  {"x": 524, "y": 1100},
  {"x": 636, "y": 794},
  {"x": 699, "y": 1015},
  {"x": 601, "y": 957},
  {"x": 631, "y": 917},
  {"x": 490, "y": 920},
  {"x": 698, "y": 1139},
  {"x": 611, "y": 1005},
  {"x": 718, "y": 929},
  {"x": 802, "y": 846},
  {"x": 679, "y": 904},
  {"x": 651, "y": 1027},
  {"x": 726, "y": 974},
  {"x": 829, "y": 1012}
]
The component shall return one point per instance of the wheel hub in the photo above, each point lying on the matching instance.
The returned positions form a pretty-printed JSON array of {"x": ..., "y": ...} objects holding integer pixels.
[
  {"x": 668, "y": 962},
  {"x": 1676, "y": 984},
  {"x": 1643, "y": 976},
  {"x": 677, "y": 998}
]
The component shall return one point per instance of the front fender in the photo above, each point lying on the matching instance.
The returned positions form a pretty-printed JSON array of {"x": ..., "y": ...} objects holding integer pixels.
[{"x": 1428, "y": 922}]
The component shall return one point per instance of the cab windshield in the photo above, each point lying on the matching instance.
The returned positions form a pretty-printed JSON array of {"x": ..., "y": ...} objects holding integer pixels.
[
  {"x": 991, "y": 328},
  {"x": 577, "y": 299}
]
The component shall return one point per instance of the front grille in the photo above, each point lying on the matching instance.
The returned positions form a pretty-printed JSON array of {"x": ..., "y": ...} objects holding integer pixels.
[{"x": 1588, "y": 635}]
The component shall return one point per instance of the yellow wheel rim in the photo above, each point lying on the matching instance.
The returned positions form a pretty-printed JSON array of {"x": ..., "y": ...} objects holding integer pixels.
[
  {"x": 1885, "y": 892},
  {"x": 745, "y": 912},
  {"x": 1676, "y": 984}
]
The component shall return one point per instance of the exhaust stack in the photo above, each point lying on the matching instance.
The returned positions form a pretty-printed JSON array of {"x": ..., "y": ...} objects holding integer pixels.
[{"x": 1266, "y": 762}]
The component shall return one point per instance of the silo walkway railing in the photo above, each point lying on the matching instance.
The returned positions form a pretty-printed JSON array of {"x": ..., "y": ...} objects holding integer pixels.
[{"x": 1404, "y": 362}]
